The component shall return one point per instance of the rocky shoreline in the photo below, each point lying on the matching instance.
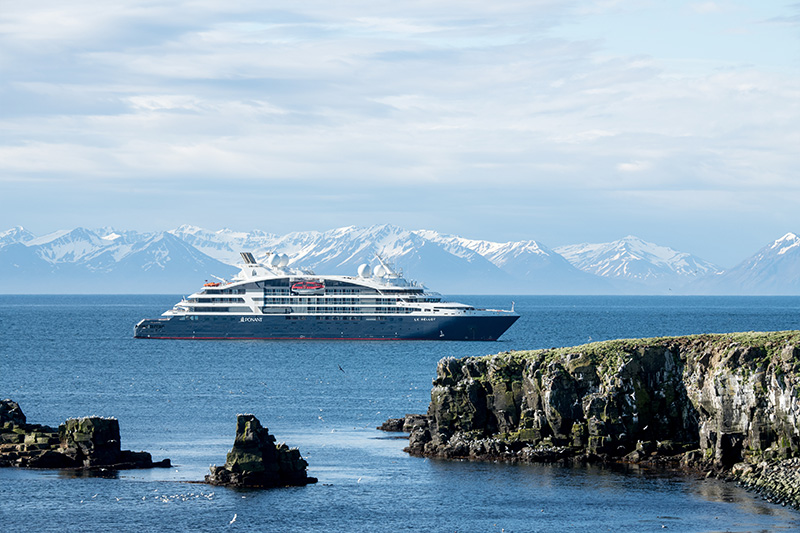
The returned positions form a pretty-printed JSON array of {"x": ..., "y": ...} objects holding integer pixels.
[
  {"x": 90, "y": 443},
  {"x": 776, "y": 481},
  {"x": 724, "y": 405}
]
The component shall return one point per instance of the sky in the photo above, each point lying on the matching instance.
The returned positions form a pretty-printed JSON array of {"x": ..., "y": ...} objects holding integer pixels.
[{"x": 555, "y": 120}]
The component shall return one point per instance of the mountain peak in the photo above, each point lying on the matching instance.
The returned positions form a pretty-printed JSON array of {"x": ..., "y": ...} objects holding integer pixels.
[
  {"x": 773, "y": 270},
  {"x": 634, "y": 259},
  {"x": 188, "y": 228},
  {"x": 785, "y": 243},
  {"x": 13, "y": 231},
  {"x": 16, "y": 234}
]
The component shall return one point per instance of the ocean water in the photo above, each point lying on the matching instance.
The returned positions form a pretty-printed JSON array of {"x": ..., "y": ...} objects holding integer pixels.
[{"x": 70, "y": 356}]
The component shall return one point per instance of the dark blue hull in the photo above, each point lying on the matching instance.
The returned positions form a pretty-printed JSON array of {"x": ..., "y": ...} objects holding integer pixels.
[{"x": 479, "y": 328}]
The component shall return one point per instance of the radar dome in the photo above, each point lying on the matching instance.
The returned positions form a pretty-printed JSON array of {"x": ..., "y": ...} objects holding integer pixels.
[
  {"x": 274, "y": 260},
  {"x": 284, "y": 260},
  {"x": 364, "y": 271},
  {"x": 379, "y": 271}
]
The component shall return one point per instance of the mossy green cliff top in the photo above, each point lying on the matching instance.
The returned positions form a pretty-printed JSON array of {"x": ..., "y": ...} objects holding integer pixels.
[{"x": 702, "y": 401}]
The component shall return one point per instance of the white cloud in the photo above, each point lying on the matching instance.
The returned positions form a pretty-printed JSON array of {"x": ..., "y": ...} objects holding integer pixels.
[
  {"x": 584, "y": 136},
  {"x": 707, "y": 7},
  {"x": 634, "y": 166},
  {"x": 167, "y": 101},
  {"x": 472, "y": 95}
]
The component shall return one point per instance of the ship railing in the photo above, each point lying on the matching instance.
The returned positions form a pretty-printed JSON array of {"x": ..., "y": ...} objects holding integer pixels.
[{"x": 498, "y": 311}]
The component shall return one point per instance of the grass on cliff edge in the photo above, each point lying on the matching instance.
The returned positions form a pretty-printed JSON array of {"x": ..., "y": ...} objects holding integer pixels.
[{"x": 770, "y": 341}]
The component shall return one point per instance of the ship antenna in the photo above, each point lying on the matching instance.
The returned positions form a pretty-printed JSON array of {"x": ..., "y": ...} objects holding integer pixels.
[{"x": 385, "y": 265}]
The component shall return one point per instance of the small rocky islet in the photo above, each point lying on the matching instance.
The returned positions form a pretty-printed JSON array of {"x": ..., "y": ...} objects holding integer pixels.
[
  {"x": 725, "y": 405},
  {"x": 89, "y": 443},
  {"x": 255, "y": 461},
  {"x": 93, "y": 444}
]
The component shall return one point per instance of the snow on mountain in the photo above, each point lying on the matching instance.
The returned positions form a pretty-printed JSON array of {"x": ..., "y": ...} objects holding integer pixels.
[
  {"x": 224, "y": 245},
  {"x": 71, "y": 246},
  {"x": 87, "y": 261},
  {"x": 773, "y": 270},
  {"x": 446, "y": 263},
  {"x": 110, "y": 260},
  {"x": 342, "y": 250},
  {"x": 535, "y": 267},
  {"x": 345, "y": 248},
  {"x": 171, "y": 258},
  {"x": 338, "y": 251},
  {"x": 500, "y": 254},
  {"x": 14, "y": 235},
  {"x": 93, "y": 248},
  {"x": 642, "y": 262},
  {"x": 467, "y": 249},
  {"x": 142, "y": 262},
  {"x": 784, "y": 245}
]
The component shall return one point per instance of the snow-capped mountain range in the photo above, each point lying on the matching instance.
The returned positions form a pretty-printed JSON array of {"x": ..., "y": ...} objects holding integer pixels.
[
  {"x": 106, "y": 260},
  {"x": 100, "y": 261},
  {"x": 632, "y": 259}
]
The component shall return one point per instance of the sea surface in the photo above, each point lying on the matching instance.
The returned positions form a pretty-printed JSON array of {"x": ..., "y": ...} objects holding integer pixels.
[{"x": 72, "y": 356}]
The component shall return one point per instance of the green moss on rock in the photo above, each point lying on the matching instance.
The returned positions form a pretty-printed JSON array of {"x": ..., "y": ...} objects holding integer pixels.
[{"x": 727, "y": 396}]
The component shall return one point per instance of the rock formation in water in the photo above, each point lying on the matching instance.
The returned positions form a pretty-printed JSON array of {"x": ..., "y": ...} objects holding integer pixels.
[
  {"x": 78, "y": 443},
  {"x": 726, "y": 404},
  {"x": 255, "y": 461}
]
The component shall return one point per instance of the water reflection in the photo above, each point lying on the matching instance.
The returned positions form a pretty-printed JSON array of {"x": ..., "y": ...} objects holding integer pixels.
[
  {"x": 102, "y": 473},
  {"x": 716, "y": 490}
]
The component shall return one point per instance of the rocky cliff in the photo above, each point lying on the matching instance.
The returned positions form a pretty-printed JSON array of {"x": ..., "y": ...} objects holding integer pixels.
[{"x": 727, "y": 404}]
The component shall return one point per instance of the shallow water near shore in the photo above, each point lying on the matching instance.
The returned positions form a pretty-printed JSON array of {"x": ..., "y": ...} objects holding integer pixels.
[{"x": 70, "y": 356}]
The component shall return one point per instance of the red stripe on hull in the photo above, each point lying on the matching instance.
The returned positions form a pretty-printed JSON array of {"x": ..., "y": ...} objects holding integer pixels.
[{"x": 285, "y": 338}]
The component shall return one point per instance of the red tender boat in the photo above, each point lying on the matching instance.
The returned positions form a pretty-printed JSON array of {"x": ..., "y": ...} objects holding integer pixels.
[{"x": 308, "y": 287}]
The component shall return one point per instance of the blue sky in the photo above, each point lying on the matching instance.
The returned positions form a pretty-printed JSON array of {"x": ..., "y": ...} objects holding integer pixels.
[{"x": 559, "y": 121}]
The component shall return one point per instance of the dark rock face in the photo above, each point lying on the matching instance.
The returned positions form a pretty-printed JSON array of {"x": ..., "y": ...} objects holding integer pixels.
[
  {"x": 91, "y": 441},
  {"x": 10, "y": 412},
  {"x": 706, "y": 402},
  {"x": 393, "y": 424},
  {"x": 80, "y": 443},
  {"x": 255, "y": 461},
  {"x": 405, "y": 424}
]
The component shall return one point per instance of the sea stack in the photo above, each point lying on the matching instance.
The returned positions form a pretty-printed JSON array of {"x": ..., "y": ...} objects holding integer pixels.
[{"x": 256, "y": 462}]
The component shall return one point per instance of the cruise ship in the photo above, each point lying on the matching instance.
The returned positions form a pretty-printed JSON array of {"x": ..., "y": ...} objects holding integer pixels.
[{"x": 268, "y": 300}]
